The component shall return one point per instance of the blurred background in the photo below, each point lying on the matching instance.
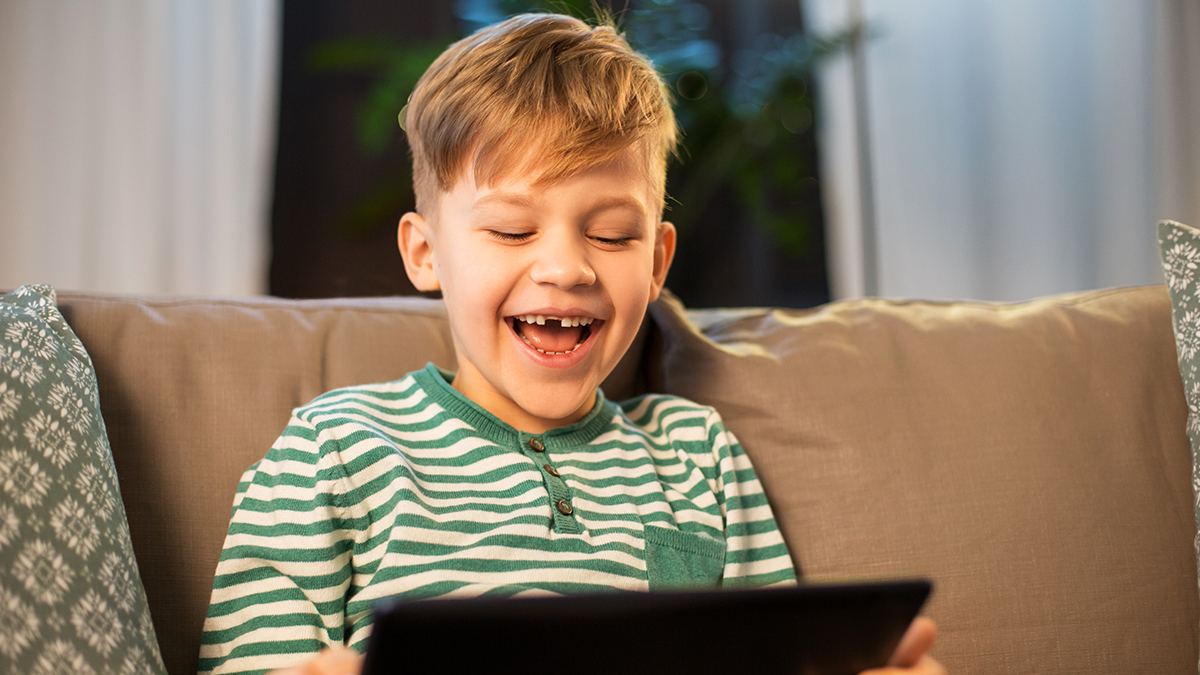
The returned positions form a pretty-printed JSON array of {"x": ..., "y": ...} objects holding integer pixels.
[{"x": 986, "y": 149}]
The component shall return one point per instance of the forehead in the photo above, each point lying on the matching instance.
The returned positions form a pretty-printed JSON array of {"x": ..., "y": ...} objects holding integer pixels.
[{"x": 625, "y": 178}]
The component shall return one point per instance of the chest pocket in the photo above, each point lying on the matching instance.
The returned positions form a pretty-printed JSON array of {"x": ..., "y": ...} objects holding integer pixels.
[{"x": 676, "y": 559}]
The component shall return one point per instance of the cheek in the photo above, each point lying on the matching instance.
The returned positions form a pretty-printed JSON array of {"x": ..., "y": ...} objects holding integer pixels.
[
  {"x": 475, "y": 283},
  {"x": 464, "y": 271},
  {"x": 631, "y": 281}
]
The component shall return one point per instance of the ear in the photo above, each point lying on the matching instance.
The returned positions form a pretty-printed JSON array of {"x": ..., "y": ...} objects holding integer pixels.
[
  {"x": 416, "y": 247},
  {"x": 664, "y": 253}
]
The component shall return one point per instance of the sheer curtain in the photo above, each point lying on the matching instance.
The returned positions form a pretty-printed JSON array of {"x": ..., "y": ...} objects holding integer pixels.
[
  {"x": 1005, "y": 149},
  {"x": 137, "y": 144}
]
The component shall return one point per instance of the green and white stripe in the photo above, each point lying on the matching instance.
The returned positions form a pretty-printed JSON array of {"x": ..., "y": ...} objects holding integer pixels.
[{"x": 409, "y": 489}]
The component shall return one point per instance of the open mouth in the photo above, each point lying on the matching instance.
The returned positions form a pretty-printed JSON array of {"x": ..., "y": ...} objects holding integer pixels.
[{"x": 553, "y": 335}]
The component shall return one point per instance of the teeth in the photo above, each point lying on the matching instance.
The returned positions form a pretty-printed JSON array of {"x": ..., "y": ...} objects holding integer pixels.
[{"x": 566, "y": 321}]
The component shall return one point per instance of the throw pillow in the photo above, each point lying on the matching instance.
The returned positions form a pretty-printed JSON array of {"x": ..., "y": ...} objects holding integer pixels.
[
  {"x": 71, "y": 599},
  {"x": 1179, "y": 248}
]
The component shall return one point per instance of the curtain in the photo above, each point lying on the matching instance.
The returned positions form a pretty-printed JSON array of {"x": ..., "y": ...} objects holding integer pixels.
[
  {"x": 1006, "y": 149},
  {"x": 137, "y": 144}
]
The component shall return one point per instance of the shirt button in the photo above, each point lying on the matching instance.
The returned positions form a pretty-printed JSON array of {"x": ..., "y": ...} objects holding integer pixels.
[
  {"x": 550, "y": 470},
  {"x": 564, "y": 507},
  {"x": 536, "y": 444}
]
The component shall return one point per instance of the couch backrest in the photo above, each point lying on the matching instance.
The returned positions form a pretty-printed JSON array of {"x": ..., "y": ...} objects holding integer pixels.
[{"x": 1030, "y": 457}]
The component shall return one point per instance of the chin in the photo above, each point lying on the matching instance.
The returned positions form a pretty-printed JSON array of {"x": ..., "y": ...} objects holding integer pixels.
[{"x": 558, "y": 406}]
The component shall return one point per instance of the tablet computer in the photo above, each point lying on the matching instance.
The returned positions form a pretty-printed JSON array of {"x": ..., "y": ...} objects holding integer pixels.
[{"x": 817, "y": 629}]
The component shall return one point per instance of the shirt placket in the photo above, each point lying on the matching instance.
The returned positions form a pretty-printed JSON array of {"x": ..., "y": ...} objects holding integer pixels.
[{"x": 562, "y": 508}]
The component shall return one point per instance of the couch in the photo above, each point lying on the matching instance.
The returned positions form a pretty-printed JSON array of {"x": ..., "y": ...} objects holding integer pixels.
[{"x": 1030, "y": 458}]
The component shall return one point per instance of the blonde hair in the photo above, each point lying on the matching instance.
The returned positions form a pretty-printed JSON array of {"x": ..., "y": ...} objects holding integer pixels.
[{"x": 540, "y": 92}]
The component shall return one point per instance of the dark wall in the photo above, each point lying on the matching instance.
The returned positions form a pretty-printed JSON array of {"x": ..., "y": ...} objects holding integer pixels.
[{"x": 321, "y": 174}]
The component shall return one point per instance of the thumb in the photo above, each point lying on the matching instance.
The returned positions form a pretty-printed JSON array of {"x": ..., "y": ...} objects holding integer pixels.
[{"x": 916, "y": 641}]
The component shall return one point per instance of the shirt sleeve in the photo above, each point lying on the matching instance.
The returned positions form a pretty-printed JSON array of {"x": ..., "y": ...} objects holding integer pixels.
[
  {"x": 280, "y": 589},
  {"x": 755, "y": 553}
]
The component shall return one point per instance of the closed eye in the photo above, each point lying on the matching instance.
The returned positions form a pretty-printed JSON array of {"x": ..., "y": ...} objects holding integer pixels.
[
  {"x": 614, "y": 241},
  {"x": 510, "y": 236}
]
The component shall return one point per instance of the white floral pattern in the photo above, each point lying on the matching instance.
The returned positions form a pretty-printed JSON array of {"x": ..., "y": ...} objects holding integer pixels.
[
  {"x": 1192, "y": 395},
  {"x": 71, "y": 407},
  {"x": 70, "y": 597},
  {"x": 33, "y": 338},
  {"x": 135, "y": 663},
  {"x": 96, "y": 623},
  {"x": 1180, "y": 262},
  {"x": 43, "y": 571},
  {"x": 24, "y": 481},
  {"x": 50, "y": 438},
  {"x": 118, "y": 581},
  {"x": 10, "y": 525},
  {"x": 18, "y": 624},
  {"x": 10, "y": 400},
  {"x": 75, "y": 527},
  {"x": 1187, "y": 335},
  {"x": 27, "y": 372},
  {"x": 95, "y": 492},
  {"x": 61, "y": 657}
]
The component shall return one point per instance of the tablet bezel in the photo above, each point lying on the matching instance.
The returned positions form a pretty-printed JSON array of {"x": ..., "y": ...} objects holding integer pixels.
[{"x": 823, "y": 629}]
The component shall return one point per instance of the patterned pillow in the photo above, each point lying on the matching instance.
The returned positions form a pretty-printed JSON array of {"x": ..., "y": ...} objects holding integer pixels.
[
  {"x": 1179, "y": 248},
  {"x": 71, "y": 600}
]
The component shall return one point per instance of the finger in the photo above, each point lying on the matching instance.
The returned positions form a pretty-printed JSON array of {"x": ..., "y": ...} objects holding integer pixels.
[
  {"x": 916, "y": 641},
  {"x": 337, "y": 660}
]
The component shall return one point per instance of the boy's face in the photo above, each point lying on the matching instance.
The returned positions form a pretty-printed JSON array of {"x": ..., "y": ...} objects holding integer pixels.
[{"x": 581, "y": 257}]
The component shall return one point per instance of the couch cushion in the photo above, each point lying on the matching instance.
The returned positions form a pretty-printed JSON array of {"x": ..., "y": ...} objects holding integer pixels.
[
  {"x": 71, "y": 599},
  {"x": 1029, "y": 457}
]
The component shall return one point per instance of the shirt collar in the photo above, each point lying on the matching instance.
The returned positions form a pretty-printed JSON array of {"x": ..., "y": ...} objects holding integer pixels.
[{"x": 437, "y": 383}]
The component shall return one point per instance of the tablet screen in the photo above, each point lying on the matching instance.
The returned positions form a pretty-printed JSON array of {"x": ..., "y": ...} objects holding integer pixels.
[{"x": 819, "y": 629}]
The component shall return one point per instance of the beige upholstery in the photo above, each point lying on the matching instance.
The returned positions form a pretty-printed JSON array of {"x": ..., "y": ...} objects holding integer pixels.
[{"x": 1031, "y": 458}]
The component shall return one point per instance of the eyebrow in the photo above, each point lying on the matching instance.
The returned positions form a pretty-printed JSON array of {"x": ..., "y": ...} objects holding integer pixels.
[
  {"x": 526, "y": 202},
  {"x": 618, "y": 203},
  {"x": 501, "y": 199}
]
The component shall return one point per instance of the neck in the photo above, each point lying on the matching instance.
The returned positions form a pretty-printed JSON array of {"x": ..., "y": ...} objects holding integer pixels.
[{"x": 512, "y": 414}]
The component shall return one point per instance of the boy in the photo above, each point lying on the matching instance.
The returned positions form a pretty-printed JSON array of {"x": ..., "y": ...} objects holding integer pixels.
[{"x": 539, "y": 153}]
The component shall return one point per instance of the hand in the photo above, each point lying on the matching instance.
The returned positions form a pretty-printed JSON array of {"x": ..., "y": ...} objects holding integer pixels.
[
  {"x": 911, "y": 656},
  {"x": 332, "y": 661}
]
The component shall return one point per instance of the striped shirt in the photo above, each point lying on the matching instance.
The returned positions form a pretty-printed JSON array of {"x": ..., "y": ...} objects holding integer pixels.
[{"x": 408, "y": 489}]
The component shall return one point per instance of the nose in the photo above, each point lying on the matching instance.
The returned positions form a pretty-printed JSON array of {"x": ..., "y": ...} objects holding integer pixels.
[{"x": 562, "y": 261}]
